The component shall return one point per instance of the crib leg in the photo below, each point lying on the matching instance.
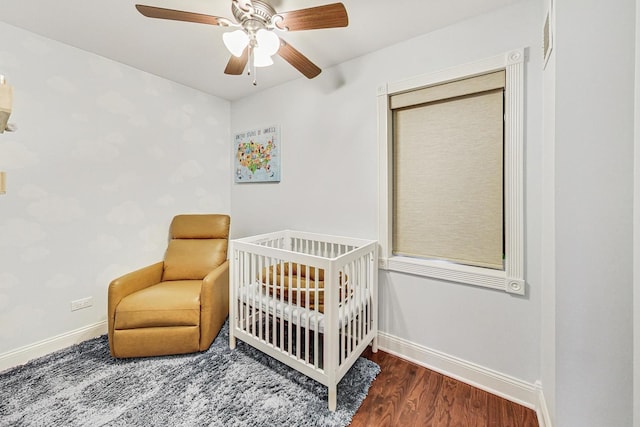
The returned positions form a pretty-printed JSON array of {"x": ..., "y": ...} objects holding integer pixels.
[
  {"x": 232, "y": 341},
  {"x": 374, "y": 344},
  {"x": 333, "y": 397}
]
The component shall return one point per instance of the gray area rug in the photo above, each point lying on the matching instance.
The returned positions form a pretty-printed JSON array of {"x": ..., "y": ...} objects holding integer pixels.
[{"x": 84, "y": 386}]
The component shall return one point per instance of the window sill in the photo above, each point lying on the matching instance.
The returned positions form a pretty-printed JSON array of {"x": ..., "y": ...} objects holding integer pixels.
[{"x": 477, "y": 276}]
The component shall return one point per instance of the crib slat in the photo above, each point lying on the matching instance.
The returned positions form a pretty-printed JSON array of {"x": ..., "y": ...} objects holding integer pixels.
[
  {"x": 269, "y": 297},
  {"x": 252, "y": 273},
  {"x": 298, "y": 314},
  {"x": 361, "y": 298},
  {"x": 348, "y": 303},
  {"x": 314, "y": 339},
  {"x": 345, "y": 324},
  {"x": 290, "y": 298},
  {"x": 261, "y": 280},
  {"x": 244, "y": 274},
  {"x": 276, "y": 341}
]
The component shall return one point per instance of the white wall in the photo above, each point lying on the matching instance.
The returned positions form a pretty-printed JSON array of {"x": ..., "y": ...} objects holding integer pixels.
[
  {"x": 594, "y": 124},
  {"x": 330, "y": 176},
  {"x": 103, "y": 158},
  {"x": 636, "y": 232}
]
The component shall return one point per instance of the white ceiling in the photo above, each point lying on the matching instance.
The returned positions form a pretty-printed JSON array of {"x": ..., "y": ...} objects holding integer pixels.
[{"x": 194, "y": 55}]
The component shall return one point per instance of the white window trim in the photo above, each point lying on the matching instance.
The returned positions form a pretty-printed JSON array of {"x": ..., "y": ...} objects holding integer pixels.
[{"x": 511, "y": 279}]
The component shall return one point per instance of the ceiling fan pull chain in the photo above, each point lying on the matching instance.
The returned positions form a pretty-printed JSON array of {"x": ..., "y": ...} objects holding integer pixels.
[{"x": 252, "y": 69}]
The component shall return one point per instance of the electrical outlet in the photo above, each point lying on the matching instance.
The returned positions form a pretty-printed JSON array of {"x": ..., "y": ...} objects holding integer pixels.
[{"x": 81, "y": 303}]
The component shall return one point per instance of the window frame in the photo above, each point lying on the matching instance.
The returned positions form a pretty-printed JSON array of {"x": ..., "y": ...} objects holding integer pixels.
[{"x": 511, "y": 279}]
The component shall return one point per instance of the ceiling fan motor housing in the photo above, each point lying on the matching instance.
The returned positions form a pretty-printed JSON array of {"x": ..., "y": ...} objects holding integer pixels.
[{"x": 262, "y": 12}]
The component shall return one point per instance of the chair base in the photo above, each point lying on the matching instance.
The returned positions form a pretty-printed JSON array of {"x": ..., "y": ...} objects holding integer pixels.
[{"x": 159, "y": 341}]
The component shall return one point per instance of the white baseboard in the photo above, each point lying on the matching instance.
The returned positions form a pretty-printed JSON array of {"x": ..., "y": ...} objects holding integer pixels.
[
  {"x": 24, "y": 354},
  {"x": 513, "y": 389},
  {"x": 544, "y": 418}
]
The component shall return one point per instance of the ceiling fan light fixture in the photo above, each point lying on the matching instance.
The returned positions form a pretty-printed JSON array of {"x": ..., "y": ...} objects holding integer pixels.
[
  {"x": 261, "y": 58},
  {"x": 236, "y": 41},
  {"x": 268, "y": 41}
]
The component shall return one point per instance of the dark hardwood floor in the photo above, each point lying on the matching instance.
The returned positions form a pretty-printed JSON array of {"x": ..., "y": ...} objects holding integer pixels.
[{"x": 405, "y": 394}]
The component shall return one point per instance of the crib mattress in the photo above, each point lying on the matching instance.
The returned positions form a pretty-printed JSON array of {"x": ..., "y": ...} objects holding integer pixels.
[{"x": 255, "y": 296}]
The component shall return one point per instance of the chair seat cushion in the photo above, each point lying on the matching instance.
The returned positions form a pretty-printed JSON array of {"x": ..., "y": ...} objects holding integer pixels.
[{"x": 172, "y": 303}]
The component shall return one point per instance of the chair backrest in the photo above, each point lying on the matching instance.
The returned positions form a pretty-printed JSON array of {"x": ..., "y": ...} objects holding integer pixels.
[{"x": 197, "y": 245}]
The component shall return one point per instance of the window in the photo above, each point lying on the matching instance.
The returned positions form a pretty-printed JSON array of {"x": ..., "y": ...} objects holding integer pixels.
[{"x": 451, "y": 174}]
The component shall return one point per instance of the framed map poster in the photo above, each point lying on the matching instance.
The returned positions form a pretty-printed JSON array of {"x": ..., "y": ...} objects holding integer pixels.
[{"x": 257, "y": 155}]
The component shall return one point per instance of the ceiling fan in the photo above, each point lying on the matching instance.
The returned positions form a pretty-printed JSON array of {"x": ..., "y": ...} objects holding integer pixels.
[{"x": 256, "y": 41}]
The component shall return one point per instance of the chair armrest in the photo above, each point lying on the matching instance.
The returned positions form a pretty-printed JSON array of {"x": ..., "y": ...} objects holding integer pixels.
[
  {"x": 214, "y": 303},
  {"x": 128, "y": 284}
]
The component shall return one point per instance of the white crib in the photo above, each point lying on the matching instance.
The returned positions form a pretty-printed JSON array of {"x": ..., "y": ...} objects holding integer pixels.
[{"x": 308, "y": 300}]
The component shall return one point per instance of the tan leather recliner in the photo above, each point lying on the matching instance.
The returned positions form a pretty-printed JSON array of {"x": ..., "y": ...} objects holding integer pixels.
[{"x": 177, "y": 305}]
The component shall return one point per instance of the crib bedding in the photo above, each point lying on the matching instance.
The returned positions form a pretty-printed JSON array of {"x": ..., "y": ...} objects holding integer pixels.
[{"x": 306, "y": 283}]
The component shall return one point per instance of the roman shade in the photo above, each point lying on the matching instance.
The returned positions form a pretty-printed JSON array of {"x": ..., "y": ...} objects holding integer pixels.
[{"x": 448, "y": 191}]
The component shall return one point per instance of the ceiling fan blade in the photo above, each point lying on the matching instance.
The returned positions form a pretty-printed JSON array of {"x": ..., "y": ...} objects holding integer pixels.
[
  {"x": 179, "y": 15},
  {"x": 315, "y": 18},
  {"x": 298, "y": 60},
  {"x": 236, "y": 65}
]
